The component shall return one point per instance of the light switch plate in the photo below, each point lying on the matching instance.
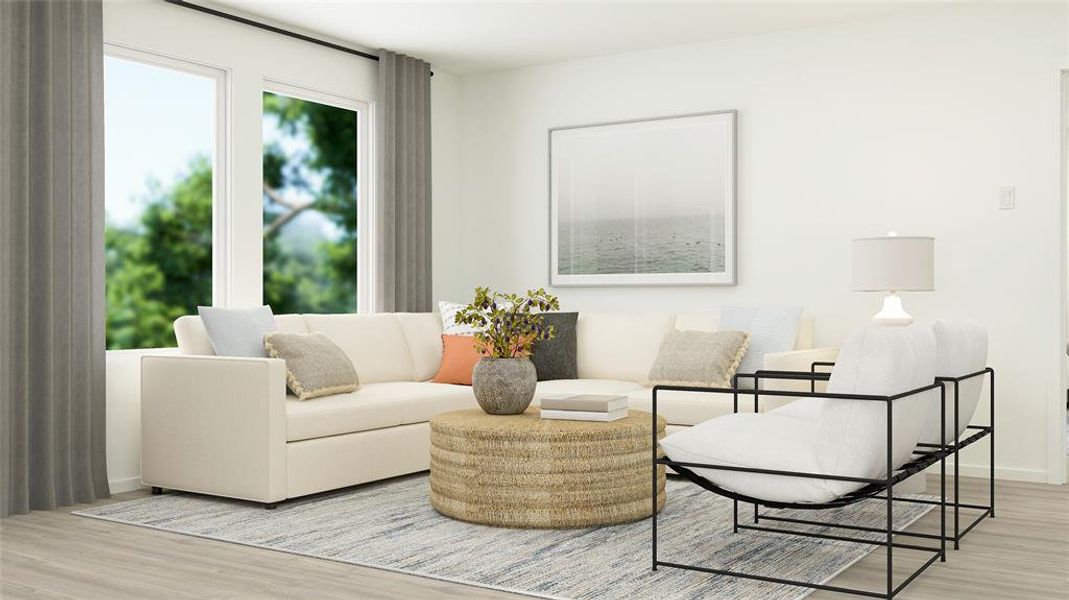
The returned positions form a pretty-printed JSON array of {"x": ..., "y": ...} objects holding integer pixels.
[{"x": 1007, "y": 198}]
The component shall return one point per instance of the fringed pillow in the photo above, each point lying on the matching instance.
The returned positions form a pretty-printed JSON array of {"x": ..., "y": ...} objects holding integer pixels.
[
  {"x": 699, "y": 358},
  {"x": 315, "y": 366}
]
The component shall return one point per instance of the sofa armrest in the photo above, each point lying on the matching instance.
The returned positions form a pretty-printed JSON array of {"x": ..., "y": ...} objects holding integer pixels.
[
  {"x": 794, "y": 360},
  {"x": 214, "y": 425}
]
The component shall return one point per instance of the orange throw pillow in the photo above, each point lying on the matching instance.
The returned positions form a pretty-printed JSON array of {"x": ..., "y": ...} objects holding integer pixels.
[{"x": 458, "y": 359}]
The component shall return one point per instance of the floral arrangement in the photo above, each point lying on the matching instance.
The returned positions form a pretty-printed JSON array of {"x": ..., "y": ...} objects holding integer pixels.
[{"x": 508, "y": 325}]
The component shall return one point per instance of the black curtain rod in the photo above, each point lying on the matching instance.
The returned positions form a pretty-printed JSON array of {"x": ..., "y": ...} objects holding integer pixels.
[{"x": 271, "y": 28}]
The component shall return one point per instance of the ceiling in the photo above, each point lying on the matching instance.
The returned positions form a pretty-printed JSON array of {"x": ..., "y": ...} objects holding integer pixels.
[{"x": 472, "y": 37}]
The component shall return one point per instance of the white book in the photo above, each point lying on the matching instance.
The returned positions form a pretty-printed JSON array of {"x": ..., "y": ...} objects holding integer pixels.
[
  {"x": 583, "y": 415},
  {"x": 585, "y": 402}
]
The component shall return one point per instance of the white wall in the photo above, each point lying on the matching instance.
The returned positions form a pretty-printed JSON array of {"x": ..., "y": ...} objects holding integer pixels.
[
  {"x": 908, "y": 123},
  {"x": 250, "y": 56}
]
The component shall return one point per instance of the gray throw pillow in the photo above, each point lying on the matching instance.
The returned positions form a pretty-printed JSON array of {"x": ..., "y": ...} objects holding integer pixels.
[
  {"x": 237, "y": 331},
  {"x": 556, "y": 358},
  {"x": 315, "y": 366},
  {"x": 699, "y": 358}
]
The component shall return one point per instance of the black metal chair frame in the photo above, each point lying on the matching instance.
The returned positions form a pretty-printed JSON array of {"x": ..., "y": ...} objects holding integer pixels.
[{"x": 926, "y": 455}]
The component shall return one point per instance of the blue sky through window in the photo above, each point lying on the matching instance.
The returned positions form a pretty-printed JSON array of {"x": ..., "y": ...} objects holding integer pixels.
[{"x": 156, "y": 121}]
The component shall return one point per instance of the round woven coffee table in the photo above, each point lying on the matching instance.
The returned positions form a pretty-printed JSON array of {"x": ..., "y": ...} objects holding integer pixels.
[{"x": 522, "y": 471}]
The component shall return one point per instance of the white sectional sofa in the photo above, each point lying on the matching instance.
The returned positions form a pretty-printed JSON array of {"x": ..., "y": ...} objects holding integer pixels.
[{"x": 225, "y": 426}]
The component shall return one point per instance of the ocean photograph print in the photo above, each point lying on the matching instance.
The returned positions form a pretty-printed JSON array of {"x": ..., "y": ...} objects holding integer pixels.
[{"x": 643, "y": 202}]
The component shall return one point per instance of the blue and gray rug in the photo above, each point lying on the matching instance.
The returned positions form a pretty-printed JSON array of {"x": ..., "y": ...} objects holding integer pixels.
[{"x": 390, "y": 525}]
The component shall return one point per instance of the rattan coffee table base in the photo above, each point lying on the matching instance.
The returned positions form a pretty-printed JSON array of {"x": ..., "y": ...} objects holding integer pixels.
[{"x": 520, "y": 471}]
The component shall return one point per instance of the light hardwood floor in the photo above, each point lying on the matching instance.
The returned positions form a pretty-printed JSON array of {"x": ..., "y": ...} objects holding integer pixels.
[{"x": 1022, "y": 554}]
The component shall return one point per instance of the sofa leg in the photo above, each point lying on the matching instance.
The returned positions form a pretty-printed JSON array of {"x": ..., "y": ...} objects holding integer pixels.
[
  {"x": 270, "y": 505},
  {"x": 156, "y": 491}
]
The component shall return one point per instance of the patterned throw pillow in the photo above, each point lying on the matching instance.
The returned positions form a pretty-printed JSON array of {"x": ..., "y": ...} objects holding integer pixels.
[
  {"x": 699, "y": 358},
  {"x": 315, "y": 366},
  {"x": 449, "y": 311}
]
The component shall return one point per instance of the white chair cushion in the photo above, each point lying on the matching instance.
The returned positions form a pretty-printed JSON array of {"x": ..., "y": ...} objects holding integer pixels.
[
  {"x": 375, "y": 344},
  {"x": 824, "y": 435},
  {"x": 878, "y": 361},
  {"x": 619, "y": 346},
  {"x": 762, "y": 441},
  {"x": 373, "y": 406},
  {"x": 961, "y": 349}
]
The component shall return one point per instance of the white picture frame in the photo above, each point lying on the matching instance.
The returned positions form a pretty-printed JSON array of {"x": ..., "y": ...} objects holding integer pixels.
[{"x": 644, "y": 202}]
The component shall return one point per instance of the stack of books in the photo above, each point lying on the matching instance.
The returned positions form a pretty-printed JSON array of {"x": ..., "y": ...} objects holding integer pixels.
[{"x": 585, "y": 407}]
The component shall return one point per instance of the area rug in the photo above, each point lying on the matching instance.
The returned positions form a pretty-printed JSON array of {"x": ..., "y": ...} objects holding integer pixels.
[{"x": 390, "y": 525}]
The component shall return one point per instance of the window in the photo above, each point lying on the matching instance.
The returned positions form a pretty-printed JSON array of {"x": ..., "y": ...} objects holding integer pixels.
[
  {"x": 160, "y": 148},
  {"x": 311, "y": 198}
]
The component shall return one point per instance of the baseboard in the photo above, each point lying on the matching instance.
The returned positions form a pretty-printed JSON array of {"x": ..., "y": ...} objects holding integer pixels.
[
  {"x": 1005, "y": 473},
  {"x": 128, "y": 484}
]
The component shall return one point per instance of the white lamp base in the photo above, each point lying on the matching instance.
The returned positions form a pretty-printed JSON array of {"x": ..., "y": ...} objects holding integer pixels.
[{"x": 892, "y": 313}]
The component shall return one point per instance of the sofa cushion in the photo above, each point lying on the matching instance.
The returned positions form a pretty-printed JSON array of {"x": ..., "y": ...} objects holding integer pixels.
[
  {"x": 687, "y": 408},
  {"x": 698, "y": 321},
  {"x": 620, "y": 346},
  {"x": 710, "y": 321},
  {"x": 373, "y": 406},
  {"x": 192, "y": 338},
  {"x": 375, "y": 344},
  {"x": 678, "y": 408},
  {"x": 575, "y": 387},
  {"x": 423, "y": 332}
]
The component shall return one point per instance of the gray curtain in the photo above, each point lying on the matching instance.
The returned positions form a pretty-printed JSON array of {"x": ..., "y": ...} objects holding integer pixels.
[
  {"x": 403, "y": 201},
  {"x": 51, "y": 254}
]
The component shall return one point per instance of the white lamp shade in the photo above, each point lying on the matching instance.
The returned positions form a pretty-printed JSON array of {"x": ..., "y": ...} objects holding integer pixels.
[{"x": 897, "y": 263}]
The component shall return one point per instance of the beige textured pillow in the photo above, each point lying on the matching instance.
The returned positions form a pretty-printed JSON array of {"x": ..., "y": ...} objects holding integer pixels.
[
  {"x": 699, "y": 358},
  {"x": 315, "y": 366}
]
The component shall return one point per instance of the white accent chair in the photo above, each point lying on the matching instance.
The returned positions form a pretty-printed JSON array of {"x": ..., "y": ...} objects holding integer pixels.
[
  {"x": 830, "y": 449},
  {"x": 826, "y": 435}
]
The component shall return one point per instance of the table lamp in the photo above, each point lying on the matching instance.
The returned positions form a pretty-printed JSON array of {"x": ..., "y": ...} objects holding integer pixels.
[{"x": 893, "y": 264}]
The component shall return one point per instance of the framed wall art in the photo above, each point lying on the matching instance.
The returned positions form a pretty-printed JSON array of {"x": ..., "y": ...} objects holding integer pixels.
[{"x": 643, "y": 202}]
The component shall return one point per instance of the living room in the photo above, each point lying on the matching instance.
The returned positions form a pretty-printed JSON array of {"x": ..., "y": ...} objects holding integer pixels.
[{"x": 362, "y": 169}]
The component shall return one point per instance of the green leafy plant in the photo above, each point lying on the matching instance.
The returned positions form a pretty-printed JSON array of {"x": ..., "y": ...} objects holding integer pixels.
[{"x": 508, "y": 325}]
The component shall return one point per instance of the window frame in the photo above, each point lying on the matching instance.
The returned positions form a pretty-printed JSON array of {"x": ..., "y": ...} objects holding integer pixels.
[
  {"x": 364, "y": 202},
  {"x": 222, "y": 208}
]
